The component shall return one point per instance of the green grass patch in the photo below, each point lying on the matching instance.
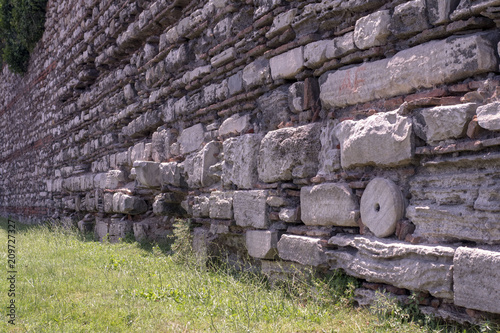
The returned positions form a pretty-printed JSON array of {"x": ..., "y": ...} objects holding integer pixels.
[{"x": 66, "y": 282}]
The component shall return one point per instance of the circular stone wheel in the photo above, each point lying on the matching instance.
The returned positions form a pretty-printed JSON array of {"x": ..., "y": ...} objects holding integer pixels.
[{"x": 382, "y": 205}]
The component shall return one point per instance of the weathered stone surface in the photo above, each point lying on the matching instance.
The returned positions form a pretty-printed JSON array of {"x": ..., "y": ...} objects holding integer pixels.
[
  {"x": 170, "y": 173},
  {"x": 290, "y": 215},
  {"x": 329, "y": 155},
  {"x": 304, "y": 250},
  {"x": 235, "y": 124},
  {"x": 488, "y": 116},
  {"x": 288, "y": 64},
  {"x": 221, "y": 205},
  {"x": 476, "y": 279},
  {"x": 274, "y": 108},
  {"x": 262, "y": 244},
  {"x": 224, "y": 57},
  {"x": 341, "y": 46},
  {"x": 101, "y": 229},
  {"x": 443, "y": 122},
  {"x": 114, "y": 179},
  {"x": 382, "y": 206},
  {"x": 384, "y": 139},
  {"x": 191, "y": 138},
  {"x": 197, "y": 166},
  {"x": 126, "y": 204},
  {"x": 201, "y": 206},
  {"x": 438, "y": 11},
  {"x": 409, "y": 18},
  {"x": 328, "y": 204},
  {"x": 315, "y": 52},
  {"x": 455, "y": 222},
  {"x": 235, "y": 83},
  {"x": 161, "y": 141},
  {"x": 422, "y": 66},
  {"x": 256, "y": 73},
  {"x": 148, "y": 173},
  {"x": 281, "y": 23},
  {"x": 250, "y": 209},
  {"x": 119, "y": 229},
  {"x": 289, "y": 153},
  {"x": 296, "y": 97},
  {"x": 372, "y": 30},
  {"x": 240, "y": 161},
  {"x": 414, "y": 267}
]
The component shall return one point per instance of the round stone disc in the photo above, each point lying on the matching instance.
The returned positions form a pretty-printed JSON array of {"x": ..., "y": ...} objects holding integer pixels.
[{"x": 382, "y": 205}]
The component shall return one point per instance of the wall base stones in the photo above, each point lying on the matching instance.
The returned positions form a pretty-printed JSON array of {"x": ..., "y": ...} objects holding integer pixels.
[{"x": 269, "y": 125}]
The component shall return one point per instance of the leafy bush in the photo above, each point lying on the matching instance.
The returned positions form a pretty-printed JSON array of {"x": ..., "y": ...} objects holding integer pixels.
[{"x": 21, "y": 26}]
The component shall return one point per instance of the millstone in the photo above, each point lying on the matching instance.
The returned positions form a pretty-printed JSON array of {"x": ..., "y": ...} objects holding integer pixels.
[{"x": 382, "y": 205}]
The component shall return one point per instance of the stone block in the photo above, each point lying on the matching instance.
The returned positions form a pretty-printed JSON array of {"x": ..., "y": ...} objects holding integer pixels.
[
  {"x": 341, "y": 46},
  {"x": 443, "y": 122},
  {"x": 114, "y": 179},
  {"x": 191, "y": 138},
  {"x": 372, "y": 30},
  {"x": 329, "y": 155},
  {"x": 281, "y": 23},
  {"x": 119, "y": 229},
  {"x": 171, "y": 174},
  {"x": 384, "y": 139},
  {"x": 235, "y": 124},
  {"x": 161, "y": 141},
  {"x": 262, "y": 244},
  {"x": 488, "y": 116},
  {"x": 476, "y": 279},
  {"x": 328, "y": 204},
  {"x": 315, "y": 53},
  {"x": 422, "y": 66},
  {"x": 127, "y": 204},
  {"x": 235, "y": 83},
  {"x": 250, "y": 209},
  {"x": 409, "y": 18},
  {"x": 240, "y": 161},
  {"x": 101, "y": 230},
  {"x": 296, "y": 97},
  {"x": 301, "y": 249},
  {"x": 382, "y": 206},
  {"x": 274, "y": 108},
  {"x": 425, "y": 268},
  {"x": 288, "y": 64},
  {"x": 256, "y": 73},
  {"x": 148, "y": 173},
  {"x": 438, "y": 11},
  {"x": 223, "y": 58},
  {"x": 221, "y": 205},
  {"x": 197, "y": 166},
  {"x": 290, "y": 215},
  {"x": 201, "y": 206},
  {"x": 289, "y": 153}
]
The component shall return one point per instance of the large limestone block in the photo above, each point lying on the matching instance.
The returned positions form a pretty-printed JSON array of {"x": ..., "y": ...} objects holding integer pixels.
[
  {"x": 101, "y": 230},
  {"x": 289, "y": 153},
  {"x": 119, "y": 229},
  {"x": 372, "y": 30},
  {"x": 454, "y": 222},
  {"x": 262, "y": 244},
  {"x": 476, "y": 279},
  {"x": 488, "y": 116},
  {"x": 250, "y": 209},
  {"x": 127, "y": 204},
  {"x": 315, "y": 52},
  {"x": 235, "y": 124},
  {"x": 384, "y": 139},
  {"x": 329, "y": 155},
  {"x": 409, "y": 18},
  {"x": 288, "y": 64},
  {"x": 301, "y": 249},
  {"x": 171, "y": 173},
  {"x": 328, "y": 204},
  {"x": 191, "y": 138},
  {"x": 240, "y": 161},
  {"x": 197, "y": 166},
  {"x": 148, "y": 173},
  {"x": 404, "y": 265},
  {"x": 382, "y": 206},
  {"x": 443, "y": 122},
  {"x": 256, "y": 73},
  {"x": 422, "y": 66},
  {"x": 114, "y": 179},
  {"x": 438, "y": 11},
  {"x": 281, "y": 23},
  {"x": 221, "y": 205}
]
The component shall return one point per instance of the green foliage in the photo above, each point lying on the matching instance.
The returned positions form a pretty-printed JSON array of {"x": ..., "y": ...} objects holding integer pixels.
[{"x": 21, "y": 26}]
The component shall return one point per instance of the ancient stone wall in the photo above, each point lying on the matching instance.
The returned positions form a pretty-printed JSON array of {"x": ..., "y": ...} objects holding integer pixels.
[{"x": 359, "y": 134}]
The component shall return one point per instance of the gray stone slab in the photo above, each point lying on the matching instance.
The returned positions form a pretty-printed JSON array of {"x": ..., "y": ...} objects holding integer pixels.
[
  {"x": 250, "y": 209},
  {"x": 328, "y": 204},
  {"x": 476, "y": 279},
  {"x": 488, "y": 116},
  {"x": 422, "y": 66},
  {"x": 288, "y": 64},
  {"x": 414, "y": 267},
  {"x": 372, "y": 30},
  {"x": 256, "y": 73},
  {"x": 262, "y": 244},
  {"x": 148, "y": 173},
  {"x": 197, "y": 166},
  {"x": 384, "y": 139},
  {"x": 240, "y": 161},
  {"x": 191, "y": 138},
  {"x": 301, "y": 249},
  {"x": 221, "y": 205}
]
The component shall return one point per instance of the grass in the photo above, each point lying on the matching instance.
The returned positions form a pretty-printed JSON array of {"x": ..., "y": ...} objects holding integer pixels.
[{"x": 66, "y": 282}]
